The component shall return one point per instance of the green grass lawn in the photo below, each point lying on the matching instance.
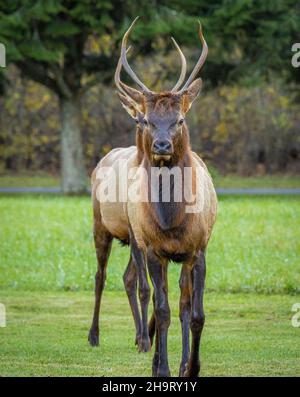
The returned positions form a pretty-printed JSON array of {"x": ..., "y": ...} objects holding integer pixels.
[
  {"x": 47, "y": 266},
  {"x": 266, "y": 181},
  {"x": 46, "y": 335},
  {"x": 40, "y": 179},
  {"x": 46, "y": 244},
  {"x": 29, "y": 180}
]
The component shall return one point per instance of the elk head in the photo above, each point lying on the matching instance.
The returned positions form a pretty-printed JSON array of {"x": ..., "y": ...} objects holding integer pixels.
[{"x": 161, "y": 116}]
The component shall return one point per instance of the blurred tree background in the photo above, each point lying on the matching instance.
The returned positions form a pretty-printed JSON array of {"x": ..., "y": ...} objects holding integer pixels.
[{"x": 59, "y": 112}]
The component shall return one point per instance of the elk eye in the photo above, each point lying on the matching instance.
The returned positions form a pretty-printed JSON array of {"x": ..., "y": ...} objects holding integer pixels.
[
  {"x": 180, "y": 122},
  {"x": 145, "y": 122}
]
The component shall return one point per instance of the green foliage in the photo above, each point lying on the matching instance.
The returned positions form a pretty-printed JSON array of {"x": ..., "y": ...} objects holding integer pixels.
[
  {"x": 247, "y": 38},
  {"x": 49, "y": 40}
]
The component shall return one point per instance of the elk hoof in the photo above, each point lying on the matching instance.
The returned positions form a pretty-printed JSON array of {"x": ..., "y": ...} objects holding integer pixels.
[
  {"x": 182, "y": 369},
  {"x": 137, "y": 338},
  {"x": 192, "y": 371},
  {"x": 163, "y": 372},
  {"x": 94, "y": 337},
  {"x": 144, "y": 345}
]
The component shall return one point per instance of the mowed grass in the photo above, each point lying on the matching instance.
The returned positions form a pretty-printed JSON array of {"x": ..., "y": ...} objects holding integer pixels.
[
  {"x": 47, "y": 244},
  {"x": 29, "y": 180},
  {"x": 46, "y": 335},
  {"x": 264, "y": 181},
  {"x": 42, "y": 179},
  {"x": 47, "y": 266}
]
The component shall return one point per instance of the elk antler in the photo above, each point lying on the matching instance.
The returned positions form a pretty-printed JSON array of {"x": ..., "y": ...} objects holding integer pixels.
[
  {"x": 125, "y": 90},
  {"x": 183, "y": 67},
  {"x": 125, "y": 63},
  {"x": 118, "y": 72},
  {"x": 200, "y": 62},
  {"x": 134, "y": 76}
]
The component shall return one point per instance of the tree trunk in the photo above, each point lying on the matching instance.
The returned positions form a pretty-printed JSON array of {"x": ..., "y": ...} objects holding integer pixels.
[{"x": 73, "y": 174}]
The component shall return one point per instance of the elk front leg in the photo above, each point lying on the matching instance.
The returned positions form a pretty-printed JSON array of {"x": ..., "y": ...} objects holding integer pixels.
[
  {"x": 153, "y": 333},
  {"x": 130, "y": 283},
  {"x": 158, "y": 274},
  {"x": 144, "y": 293},
  {"x": 197, "y": 318},
  {"x": 184, "y": 314}
]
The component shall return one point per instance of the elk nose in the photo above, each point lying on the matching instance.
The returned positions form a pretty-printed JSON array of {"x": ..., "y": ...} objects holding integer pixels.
[{"x": 162, "y": 146}]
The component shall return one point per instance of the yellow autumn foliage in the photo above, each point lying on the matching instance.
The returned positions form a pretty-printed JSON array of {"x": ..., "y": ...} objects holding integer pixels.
[{"x": 235, "y": 129}]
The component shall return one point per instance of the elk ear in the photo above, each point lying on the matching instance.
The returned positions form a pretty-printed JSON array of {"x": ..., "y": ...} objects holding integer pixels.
[
  {"x": 129, "y": 106},
  {"x": 132, "y": 93},
  {"x": 191, "y": 94}
]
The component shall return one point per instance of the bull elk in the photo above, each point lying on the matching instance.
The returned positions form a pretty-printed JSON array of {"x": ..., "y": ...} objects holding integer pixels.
[{"x": 158, "y": 231}]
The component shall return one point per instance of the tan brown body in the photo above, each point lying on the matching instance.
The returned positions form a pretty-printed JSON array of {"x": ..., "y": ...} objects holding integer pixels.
[{"x": 194, "y": 229}]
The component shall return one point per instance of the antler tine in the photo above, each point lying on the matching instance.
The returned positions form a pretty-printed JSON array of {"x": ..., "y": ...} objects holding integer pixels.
[
  {"x": 200, "y": 62},
  {"x": 118, "y": 72},
  {"x": 183, "y": 67},
  {"x": 124, "y": 59}
]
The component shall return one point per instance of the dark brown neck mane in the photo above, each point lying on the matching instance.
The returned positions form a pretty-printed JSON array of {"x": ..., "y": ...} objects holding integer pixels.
[{"x": 167, "y": 215}]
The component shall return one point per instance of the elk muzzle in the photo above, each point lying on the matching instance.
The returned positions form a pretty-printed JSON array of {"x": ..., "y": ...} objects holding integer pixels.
[{"x": 162, "y": 149}]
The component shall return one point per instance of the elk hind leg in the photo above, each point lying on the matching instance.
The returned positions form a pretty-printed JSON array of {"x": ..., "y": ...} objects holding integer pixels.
[
  {"x": 130, "y": 283},
  {"x": 103, "y": 240},
  {"x": 144, "y": 293}
]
